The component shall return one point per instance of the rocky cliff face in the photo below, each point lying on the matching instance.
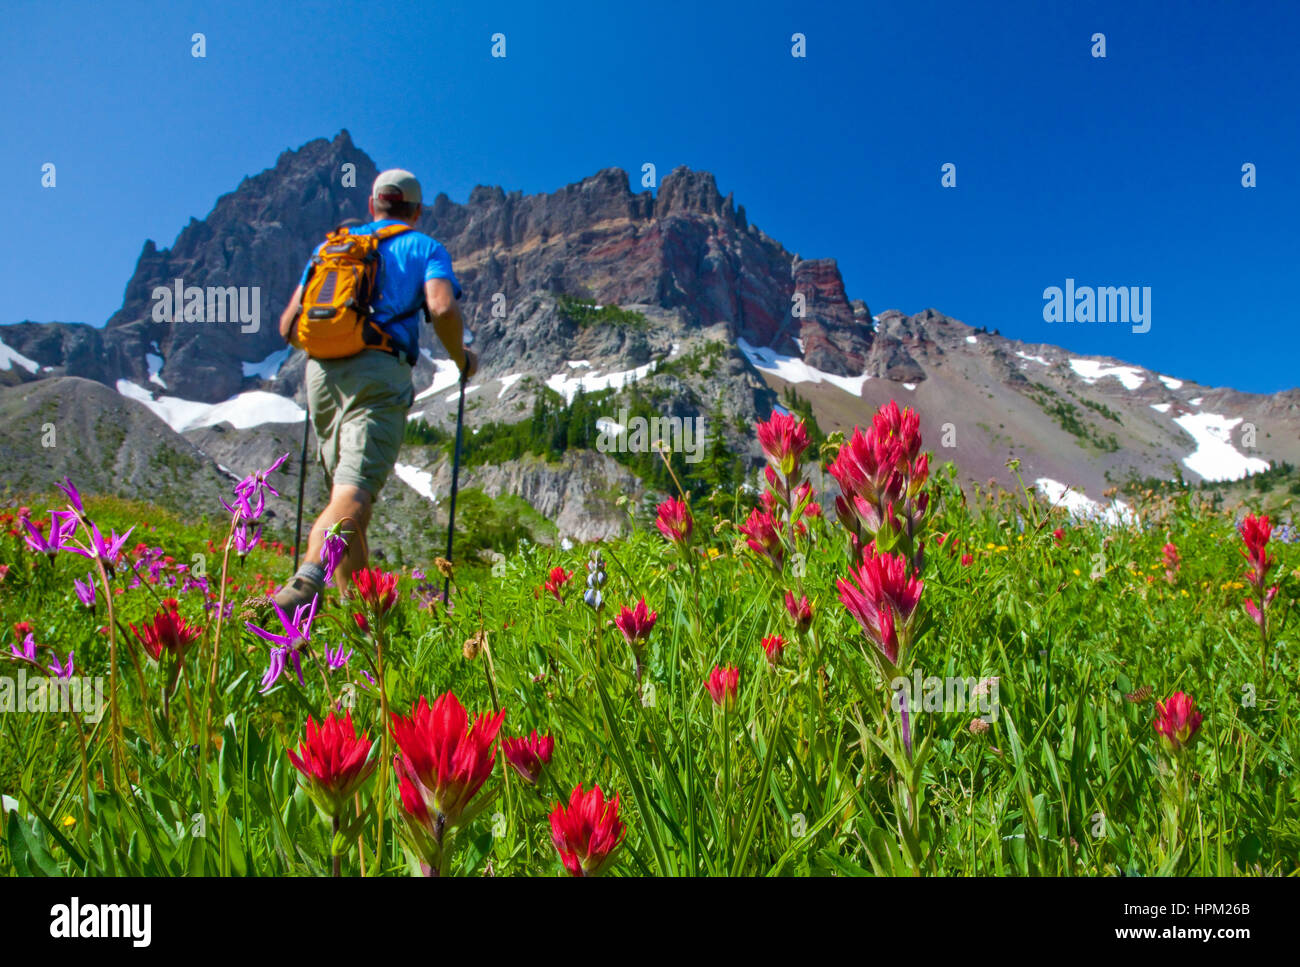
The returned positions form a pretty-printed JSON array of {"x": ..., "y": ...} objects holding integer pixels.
[
  {"x": 687, "y": 250},
  {"x": 730, "y": 319}
]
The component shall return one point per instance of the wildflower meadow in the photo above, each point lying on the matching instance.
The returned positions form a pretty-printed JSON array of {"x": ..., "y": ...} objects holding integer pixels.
[{"x": 861, "y": 667}]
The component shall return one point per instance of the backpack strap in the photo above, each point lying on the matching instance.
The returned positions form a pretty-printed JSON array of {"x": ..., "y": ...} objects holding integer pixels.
[
  {"x": 389, "y": 231},
  {"x": 384, "y": 340}
]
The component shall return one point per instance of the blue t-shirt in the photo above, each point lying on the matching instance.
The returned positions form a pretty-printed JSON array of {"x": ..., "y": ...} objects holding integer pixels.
[{"x": 406, "y": 262}]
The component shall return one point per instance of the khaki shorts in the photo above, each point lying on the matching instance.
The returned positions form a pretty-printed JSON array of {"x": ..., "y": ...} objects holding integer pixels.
[{"x": 358, "y": 409}]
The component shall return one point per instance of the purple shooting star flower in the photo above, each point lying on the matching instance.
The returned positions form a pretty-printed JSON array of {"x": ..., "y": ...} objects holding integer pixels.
[
  {"x": 250, "y": 493},
  {"x": 332, "y": 553},
  {"x": 74, "y": 498},
  {"x": 86, "y": 591},
  {"x": 297, "y": 634},
  {"x": 336, "y": 659},
  {"x": 62, "y": 670},
  {"x": 63, "y": 523},
  {"x": 107, "y": 550},
  {"x": 246, "y": 540},
  {"x": 29, "y": 649}
]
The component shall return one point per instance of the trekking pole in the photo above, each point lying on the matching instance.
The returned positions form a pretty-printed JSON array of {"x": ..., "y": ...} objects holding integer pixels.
[
  {"x": 302, "y": 483},
  {"x": 455, "y": 480}
]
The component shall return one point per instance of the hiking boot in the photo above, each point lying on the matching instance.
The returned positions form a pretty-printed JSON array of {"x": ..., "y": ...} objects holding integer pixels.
[{"x": 299, "y": 590}]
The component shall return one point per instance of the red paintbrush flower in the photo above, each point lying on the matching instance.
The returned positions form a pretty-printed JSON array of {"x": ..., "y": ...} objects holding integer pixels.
[
  {"x": 1255, "y": 533},
  {"x": 1172, "y": 563},
  {"x": 335, "y": 761},
  {"x": 883, "y": 596},
  {"x": 800, "y": 611},
  {"x": 167, "y": 632},
  {"x": 446, "y": 764},
  {"x": 774, "y": 648},
  {"x": 529, "y": 755},
  {"x": 1177, "y": 721},
  {"x": 675, "y": 521},
  {"x": 783, "y": 438},
  {"x": 723, "y": 685},
  {"x": 587, "y": 832},
  {"x": 636, "y": 623},
  {"x": 555, "y": 582},
  {"x": 763, "y": 533},
  {"x": 375, "y": 588}
]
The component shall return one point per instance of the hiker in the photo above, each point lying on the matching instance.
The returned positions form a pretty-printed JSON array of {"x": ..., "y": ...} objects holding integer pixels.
[{"x": 359, "y": 371}]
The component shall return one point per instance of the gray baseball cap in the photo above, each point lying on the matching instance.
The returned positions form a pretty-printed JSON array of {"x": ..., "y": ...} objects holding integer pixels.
[{"x": 397, "y": 184}]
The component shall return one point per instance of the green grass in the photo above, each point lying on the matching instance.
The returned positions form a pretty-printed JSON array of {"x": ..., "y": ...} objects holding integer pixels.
[{"x": 1065, "y": 781}]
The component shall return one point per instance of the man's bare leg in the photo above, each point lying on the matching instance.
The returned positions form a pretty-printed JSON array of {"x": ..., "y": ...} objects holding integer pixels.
[{"x": 350, "y": 506}]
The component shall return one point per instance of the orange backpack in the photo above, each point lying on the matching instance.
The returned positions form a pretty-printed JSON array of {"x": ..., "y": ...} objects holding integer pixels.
[{"x": 335, "y": 319}]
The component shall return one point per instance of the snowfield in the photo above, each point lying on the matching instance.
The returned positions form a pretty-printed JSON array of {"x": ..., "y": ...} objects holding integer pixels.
[
  {"x": 446, "y": 375},
  {"x": 1033, "y": 359},
  {"x": 1215, "y": 458},
  {"x": 1091, "y": 371},
  {"x": 792, "y": 369},
  {"x": 568, "y": 386},
  {"x": 1082, "y": 507},
  {"x": 10, "y": 356},
  {"x": 508, "y": 381},
  {"x": 421, "y": 481},
  {"x": 242, "y": 411},
  {"x": 268, "y": 368}
]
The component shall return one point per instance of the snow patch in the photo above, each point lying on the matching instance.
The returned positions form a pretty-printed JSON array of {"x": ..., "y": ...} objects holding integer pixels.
[
  {"x": 453, "y": 397},
  {"x": 1215, "y": 458},
  {"x": 1033, "y": 359},
  {"x": 1082, "y": 507},
  {"x": 242, "y": 411},
  {"x": 1198, "y": 401},
  {"x": 972, "y": 340},
  {"x": 1160, "y": 407},
  {"x": 421, "y": 481},
  {"x": 1170, "y": 381},
  {"x": 909, "y": 386},
  {"x": 446, "y": 373},
  {"x": 508, "y": 381},
  {"x": 10, "y": 356},
  {"x": 593, "y": 382},
  {"x": 792, "y": 369},
  {"x": 579, "y": 363},
  {"x": 268, "y": 368},
  {"x": 1091, "y": 371},
  {"x": 155, "y": 364}
]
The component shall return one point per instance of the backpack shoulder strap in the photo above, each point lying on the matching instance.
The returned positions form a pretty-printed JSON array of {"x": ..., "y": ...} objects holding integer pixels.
[{"x": 389, "y": 231}]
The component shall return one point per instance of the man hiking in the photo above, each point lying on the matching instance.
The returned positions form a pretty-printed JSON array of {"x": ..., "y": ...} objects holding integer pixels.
[{"x": 364, "y": 290}]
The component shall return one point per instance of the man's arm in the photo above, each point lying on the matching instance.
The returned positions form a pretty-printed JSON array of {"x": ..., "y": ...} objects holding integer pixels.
[
  {"x": 290, "y": 314},
  {"x": 445, "y": 315}
]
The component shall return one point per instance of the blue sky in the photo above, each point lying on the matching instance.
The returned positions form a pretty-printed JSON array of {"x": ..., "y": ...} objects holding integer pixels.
[{"x": 1117, "y": 171}]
